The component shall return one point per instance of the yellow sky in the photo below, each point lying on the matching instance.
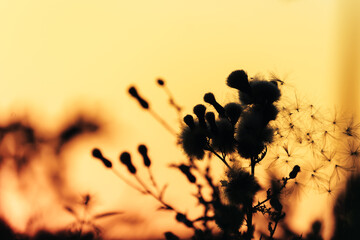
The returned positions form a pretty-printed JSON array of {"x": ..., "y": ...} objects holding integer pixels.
[{"x": 57, "y": 54}]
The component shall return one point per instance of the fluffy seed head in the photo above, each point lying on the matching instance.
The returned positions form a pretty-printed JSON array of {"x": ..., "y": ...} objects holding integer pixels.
[
  {"x": 241, "y": 187},
  {"x": 224, "y": 140},
  {"x": 194, "y": 141},
  {"x": 262, "y": 92},
  {"x": 233, "y": 111}
]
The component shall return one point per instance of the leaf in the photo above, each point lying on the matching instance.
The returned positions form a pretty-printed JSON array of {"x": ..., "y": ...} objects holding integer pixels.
[{"x": 107, "y": 214}]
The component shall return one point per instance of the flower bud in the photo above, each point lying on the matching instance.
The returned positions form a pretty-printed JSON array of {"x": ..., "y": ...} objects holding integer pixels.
[
  {"x": 189, "y": 120},
  {"x": 160, "y": 82},
  {"x": 97, "y": 154},
  {"x": 199, "y": 111},
  {"x": 133, "y": 92},
  {"x": 210, "y": 118},
  {"x": 125, "y": 159},
  {"x": 233, "y": 112},
  {"x": 210, "y": 98},
  {"x": 143, "y": 151},
  {"x": 294, "y": 172},
  {"x": 239, "y": 80}
]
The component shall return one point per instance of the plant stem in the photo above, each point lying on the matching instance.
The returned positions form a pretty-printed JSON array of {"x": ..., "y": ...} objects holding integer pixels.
[{"x": 250, "y": 207}]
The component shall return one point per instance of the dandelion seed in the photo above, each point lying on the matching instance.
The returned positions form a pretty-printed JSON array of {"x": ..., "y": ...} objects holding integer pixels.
[
  {"x": 352, "y": 129},
  {"x": 339, "y": 173}
]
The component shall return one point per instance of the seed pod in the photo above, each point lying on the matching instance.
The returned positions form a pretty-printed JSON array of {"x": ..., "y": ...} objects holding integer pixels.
[
  {"x": 125, "y": 159},
  {"x": 294, "y": 172},
  {"x": 97, "y": 154},
  {"x": 143, "y": 151}
]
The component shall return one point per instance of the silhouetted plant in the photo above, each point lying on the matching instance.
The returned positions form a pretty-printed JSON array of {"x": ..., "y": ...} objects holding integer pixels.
[{"x": 292, "y": 139}]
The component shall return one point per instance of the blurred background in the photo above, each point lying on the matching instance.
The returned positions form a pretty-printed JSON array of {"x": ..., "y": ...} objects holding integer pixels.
[{"x": 65, "y": 63}]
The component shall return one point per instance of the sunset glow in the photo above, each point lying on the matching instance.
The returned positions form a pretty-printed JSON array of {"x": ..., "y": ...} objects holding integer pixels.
[{"x": 68, "y": 65}]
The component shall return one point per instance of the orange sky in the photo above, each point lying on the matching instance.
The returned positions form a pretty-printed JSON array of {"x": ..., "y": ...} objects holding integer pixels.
[{"x": 59, "y": 56}]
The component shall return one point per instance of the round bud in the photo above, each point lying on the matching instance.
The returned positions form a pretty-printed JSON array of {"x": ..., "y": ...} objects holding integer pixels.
[
  {"x": 97, "y": 153},
  {"x": 160, "y": 82},
  {"x": 189, "y": 120},
  {"x": 239, "y": 80},
  {"x": 209, "y": 98},
  {"x": 133, "y": 92},
  {"x": 199, "y": 110}
]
